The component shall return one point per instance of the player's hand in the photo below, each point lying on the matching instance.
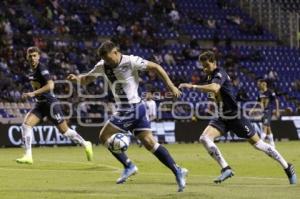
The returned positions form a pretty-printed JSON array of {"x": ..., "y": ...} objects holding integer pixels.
[
  {"x": 175, "y": 91},
  {"x": 185, "y": 85},
  {"x": 72, "y": 78},
  {"x": 28, "y": 95}
]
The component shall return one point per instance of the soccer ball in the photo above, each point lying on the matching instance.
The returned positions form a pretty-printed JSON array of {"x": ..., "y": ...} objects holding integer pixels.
[{"x": 118, "y": 143}]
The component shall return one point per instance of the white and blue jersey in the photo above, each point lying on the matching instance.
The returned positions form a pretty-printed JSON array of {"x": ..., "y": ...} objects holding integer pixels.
[{"x": 123, "y": 80}]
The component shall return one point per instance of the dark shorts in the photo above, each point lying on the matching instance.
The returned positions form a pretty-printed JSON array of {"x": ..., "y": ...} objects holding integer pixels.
[
  {"x": 53, "y": 113},
  {"x": 131, "y": 119},
  {"x": 266, "y": 118},
  {"x": 241, "y": 127}
]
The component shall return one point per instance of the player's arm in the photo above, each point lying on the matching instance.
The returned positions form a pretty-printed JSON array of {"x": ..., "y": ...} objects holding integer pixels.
[
  {"x": 213, "y": 87},
  {"x": 82, "y": 79},
  {"x": 277, "y": 107},
  {"x": 164, "y": 76},
  {"x": 48, "y": 87},
  {"x": 274, "y": 97}
]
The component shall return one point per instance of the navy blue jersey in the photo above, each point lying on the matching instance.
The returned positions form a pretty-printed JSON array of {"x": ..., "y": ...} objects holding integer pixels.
[
  {"x": 225, "y": 99},
  {"x": 271, "y": 96},
  {"x": 38, "y": 78}
]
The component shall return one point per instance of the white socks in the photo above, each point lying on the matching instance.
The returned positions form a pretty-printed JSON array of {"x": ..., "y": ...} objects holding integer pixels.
[
  {"x": 263, "y": 136},
  {"x": 213, "y": 150},
  {"x": 27, "y": 139},
  {"x": 74, "y": 136},
  {"x": 27, "y": 134},
  {"x": 271, "y": 139},
  {"x": 272, "y": 152}
]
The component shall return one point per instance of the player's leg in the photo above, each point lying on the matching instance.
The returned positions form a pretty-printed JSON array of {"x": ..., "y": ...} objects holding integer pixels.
[
  {"x": 263, "y": 134},
  {"x": 267, "y": 132},
  {"x": 265, "y": 122},
  {"x": 207, "y": 139},
  {"x": 30, "y": 121},
  {"x": 232, "y": 136},
  {"x": 270, "y": 136},
  {"x": 74, "y": 136},
  {"x": 70, "y": 133},
  {"x": 268, "y": 149},
  {"x": 244, "y": 128},
  {"x": 129, "y": 168},
  {"x": 147, "y": 139},
  {"x": 142, "y": 129},
  {"x": 273, "y": 153},
  {"x": 55, "y": 114}
]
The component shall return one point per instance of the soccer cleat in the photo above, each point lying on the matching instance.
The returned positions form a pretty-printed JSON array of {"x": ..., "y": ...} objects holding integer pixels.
[
  {"x": 129, "y": 171},
  {"x": 225, "y": 174},
  {"x": 89, "y": 150},
  {"x": 25, "y": 160},
  {"x": 290, "y": 172},
  {"x": 180, "y": 178}
]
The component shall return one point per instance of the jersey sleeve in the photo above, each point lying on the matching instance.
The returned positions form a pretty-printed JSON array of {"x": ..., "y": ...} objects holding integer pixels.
[
  {"x": 45, "y": 73},
  {"x": 138, "y": 63},
  {"x": 219, "y": 78}
]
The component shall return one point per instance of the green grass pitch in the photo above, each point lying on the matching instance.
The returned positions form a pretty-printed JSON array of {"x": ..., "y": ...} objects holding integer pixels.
[{"x": 64, "y": 173}]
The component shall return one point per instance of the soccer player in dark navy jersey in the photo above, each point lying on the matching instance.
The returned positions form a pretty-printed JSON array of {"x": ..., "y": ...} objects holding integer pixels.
[
  {"x": 268, "y": 101},
  {"x": 219, "y": 86},
  {"x": 46, "y": 106}
]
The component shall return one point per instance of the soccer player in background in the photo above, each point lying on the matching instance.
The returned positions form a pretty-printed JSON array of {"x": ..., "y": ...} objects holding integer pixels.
[
  {"x": 46, "y": 106},
  {"x": 121, "y": 72},
  {"x": 151, "y": 108},
  {"x": 220, "y": 87},
  {"x": 267, "y": 99}
]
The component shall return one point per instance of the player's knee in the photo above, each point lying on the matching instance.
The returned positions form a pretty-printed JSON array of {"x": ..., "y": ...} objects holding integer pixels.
[
  {"x": 148, "y": 143},
  {"x": 63, "y": 129},
  {"x": 204, "y": 138},
  {"x": 149, "y": 147},
  {"x": 25, "y": 127},
  {"x": 262, "y": 146}
]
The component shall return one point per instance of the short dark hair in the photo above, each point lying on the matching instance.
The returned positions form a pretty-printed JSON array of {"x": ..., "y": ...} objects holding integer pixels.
[
  {"x": 33, "y": 49},
  {"x": 106, "y": 47},
  {"x": 261, "y": 81},
  {"x": 207, "y": 56}
]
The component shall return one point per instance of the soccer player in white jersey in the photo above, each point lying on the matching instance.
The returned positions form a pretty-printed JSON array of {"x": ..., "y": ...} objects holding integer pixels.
[{"x": 121, "y": 72}]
